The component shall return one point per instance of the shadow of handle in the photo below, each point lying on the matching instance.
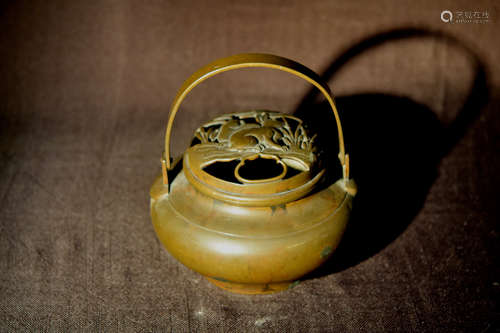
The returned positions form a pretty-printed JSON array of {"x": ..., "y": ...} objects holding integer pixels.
[
  {"x": 475, "y": 101},
  {"x": 385, "y": 206}
]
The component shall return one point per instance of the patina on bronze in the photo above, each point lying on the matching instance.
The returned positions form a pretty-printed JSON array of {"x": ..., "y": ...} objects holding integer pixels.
[{"x": 242, "y": 206}]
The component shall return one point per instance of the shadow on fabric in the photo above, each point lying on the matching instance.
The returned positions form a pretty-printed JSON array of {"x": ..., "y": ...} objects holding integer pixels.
[{"x": 395, "y": 145}]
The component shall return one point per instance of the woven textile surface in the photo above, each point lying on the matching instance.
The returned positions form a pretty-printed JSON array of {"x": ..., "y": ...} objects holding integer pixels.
[{"x": 85, "y": 88}]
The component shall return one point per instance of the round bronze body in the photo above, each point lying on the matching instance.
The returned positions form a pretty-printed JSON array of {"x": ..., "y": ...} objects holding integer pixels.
[{"x": 242, "y": 207}]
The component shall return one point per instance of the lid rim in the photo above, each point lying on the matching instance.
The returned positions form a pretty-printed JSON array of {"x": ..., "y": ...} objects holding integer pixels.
[{"x": 224, "y": 193}]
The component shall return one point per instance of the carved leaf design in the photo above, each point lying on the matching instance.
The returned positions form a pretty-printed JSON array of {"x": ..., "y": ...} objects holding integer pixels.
[{"x": 256, "y": 131}]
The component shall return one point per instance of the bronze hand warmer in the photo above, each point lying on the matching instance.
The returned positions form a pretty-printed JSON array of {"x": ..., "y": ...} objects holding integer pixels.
[{"x": 242, "y": 207}]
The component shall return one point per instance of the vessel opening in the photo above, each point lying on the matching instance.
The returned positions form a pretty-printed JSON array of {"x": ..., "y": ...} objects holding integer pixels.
[{"x": 261, "y": 168}]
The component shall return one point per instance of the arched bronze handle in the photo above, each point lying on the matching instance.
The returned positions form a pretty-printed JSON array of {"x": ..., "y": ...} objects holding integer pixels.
[{"x": 244, "y": 61}]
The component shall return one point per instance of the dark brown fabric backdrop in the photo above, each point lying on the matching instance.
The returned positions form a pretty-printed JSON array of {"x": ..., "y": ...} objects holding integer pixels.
[{"x": 85, "y": 88}]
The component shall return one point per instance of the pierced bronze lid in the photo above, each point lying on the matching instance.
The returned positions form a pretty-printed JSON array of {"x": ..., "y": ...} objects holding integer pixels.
[{"x": 254, "y": 158}]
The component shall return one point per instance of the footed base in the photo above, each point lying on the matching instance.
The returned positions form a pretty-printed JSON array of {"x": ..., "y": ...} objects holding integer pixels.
[{"x": 254, "y": 288}]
